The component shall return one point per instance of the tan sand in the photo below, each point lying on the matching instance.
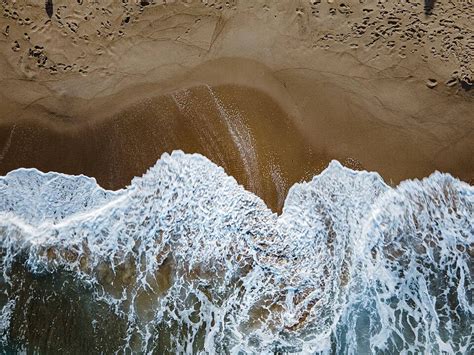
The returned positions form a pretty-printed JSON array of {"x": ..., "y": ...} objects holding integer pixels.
[{"x": 271, "y": 91}]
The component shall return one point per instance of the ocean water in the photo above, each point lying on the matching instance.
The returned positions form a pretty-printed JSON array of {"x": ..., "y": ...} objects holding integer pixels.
[{"x": 186, "y": 260}]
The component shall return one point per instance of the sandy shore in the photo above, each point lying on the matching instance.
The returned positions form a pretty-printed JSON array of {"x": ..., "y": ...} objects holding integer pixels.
[{"x": 269, "y": 91}]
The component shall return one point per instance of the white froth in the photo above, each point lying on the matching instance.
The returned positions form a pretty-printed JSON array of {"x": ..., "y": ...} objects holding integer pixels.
[{"x": 351, "y": 265}]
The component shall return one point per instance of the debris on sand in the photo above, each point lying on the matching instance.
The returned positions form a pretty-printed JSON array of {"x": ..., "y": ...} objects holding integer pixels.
[{"x": 48, "y": 6}]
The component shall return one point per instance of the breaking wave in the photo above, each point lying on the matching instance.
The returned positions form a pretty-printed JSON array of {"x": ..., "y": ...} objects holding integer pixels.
[{"x": 186, "y": 260}]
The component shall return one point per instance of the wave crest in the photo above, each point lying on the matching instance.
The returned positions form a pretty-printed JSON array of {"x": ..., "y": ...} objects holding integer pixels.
[{"x": 190, "y": 261}]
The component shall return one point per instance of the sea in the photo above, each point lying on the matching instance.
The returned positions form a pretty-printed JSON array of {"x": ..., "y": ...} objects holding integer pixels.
[{"x": 185, "y": 260}]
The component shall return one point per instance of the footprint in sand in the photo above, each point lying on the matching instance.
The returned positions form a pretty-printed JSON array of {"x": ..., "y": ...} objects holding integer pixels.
[
  {"x": 451, "y": 82},
  {"x": 15, "y": 46},
  {"x": 431, "y": 83}
]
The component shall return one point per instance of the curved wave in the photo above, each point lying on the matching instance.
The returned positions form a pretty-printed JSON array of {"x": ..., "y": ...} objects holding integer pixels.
[{"x": 187, "y": 260}]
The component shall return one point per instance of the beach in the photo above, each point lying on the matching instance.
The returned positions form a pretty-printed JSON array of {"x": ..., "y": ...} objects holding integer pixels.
[
  {"x": 270, "y": 92},
  {"x": 250, "y": 176}
]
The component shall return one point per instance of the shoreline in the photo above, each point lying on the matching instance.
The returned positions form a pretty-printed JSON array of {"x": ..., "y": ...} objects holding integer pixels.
[{"x": 332, "y": 87}]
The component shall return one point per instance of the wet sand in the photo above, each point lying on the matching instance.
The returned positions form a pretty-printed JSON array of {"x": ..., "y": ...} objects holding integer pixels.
[
  {"x": 270, "y": 92},
  {"x": 241, "y": 129}
]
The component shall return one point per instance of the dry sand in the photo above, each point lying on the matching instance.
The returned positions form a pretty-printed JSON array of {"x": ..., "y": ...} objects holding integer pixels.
[{"x": 269, "y": 90}]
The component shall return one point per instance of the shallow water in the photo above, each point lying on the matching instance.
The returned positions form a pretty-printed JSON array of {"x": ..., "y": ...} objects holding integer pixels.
[{"x": 187, "y": 260}]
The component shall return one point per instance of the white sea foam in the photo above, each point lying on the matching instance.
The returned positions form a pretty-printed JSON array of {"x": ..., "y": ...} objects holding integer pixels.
[{"x": 351, "y": 265}]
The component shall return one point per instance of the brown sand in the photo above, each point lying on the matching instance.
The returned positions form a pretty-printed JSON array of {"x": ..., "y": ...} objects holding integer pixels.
[{"x": 269, "y": 90}]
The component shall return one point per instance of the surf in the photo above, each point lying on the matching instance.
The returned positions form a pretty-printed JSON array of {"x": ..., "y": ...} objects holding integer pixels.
[{"x": 186, "y": 260}]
